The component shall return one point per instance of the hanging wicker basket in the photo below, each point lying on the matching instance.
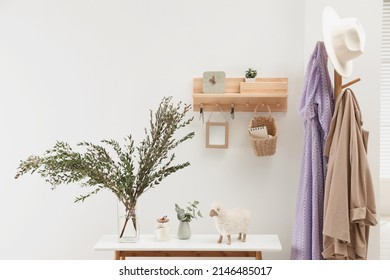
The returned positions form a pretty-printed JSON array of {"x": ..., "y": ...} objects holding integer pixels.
[{"x": 263, "y": 146}]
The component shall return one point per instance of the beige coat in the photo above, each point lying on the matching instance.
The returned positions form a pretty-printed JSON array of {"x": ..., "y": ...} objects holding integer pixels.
[{"x": 349, "y": 204}]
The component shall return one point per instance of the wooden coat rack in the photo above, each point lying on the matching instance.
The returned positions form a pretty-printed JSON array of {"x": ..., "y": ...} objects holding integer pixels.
[{"x": 338, "y": 83}]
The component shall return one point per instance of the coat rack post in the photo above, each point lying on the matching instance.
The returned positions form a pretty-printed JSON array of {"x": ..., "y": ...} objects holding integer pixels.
[{"x": 338, "y": 84}]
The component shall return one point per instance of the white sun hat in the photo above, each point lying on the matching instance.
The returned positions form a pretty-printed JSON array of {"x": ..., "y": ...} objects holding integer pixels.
[{"x": 344, "y": 40}]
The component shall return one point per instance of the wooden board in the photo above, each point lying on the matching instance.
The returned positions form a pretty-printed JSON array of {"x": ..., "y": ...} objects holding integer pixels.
[
  {"x": 266, "y": 91},
  {"x": 264, "y": 87},
  {"x": 232, "y": 85}
]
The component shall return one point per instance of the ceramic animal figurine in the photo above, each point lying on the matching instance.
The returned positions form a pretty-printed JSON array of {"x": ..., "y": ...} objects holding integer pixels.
[{"x": 230, "y": 221}]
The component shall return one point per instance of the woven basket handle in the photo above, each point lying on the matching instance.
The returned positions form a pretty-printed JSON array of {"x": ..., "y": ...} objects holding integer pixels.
[{"x": 255, "y": 111}]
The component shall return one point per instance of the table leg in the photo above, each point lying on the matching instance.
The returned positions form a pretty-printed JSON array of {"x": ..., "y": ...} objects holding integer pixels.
[
  {"x": 259, "y": 255},
  {"x": 117, "y": 255}
]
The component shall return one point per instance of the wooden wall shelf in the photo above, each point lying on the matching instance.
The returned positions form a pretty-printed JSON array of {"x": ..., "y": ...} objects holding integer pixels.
[{"x": 243, "y": 96}]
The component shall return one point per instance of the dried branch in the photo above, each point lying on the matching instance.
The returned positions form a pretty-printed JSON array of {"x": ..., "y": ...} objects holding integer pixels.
[{"x": 96, "y": 167}]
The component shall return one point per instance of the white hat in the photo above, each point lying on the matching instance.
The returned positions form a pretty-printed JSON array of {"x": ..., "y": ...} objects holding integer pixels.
[{"x": 344, "y": 40}]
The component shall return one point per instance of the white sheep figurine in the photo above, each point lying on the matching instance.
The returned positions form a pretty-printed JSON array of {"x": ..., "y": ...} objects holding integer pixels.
[{"x": 230, "y": 221}]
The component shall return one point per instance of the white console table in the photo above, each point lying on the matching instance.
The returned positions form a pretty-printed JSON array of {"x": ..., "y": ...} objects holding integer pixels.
[{"x": 201, "y": 245}]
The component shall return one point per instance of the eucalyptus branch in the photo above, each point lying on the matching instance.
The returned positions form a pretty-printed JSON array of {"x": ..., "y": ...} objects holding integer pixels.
[{"x": 112, "y": 166}]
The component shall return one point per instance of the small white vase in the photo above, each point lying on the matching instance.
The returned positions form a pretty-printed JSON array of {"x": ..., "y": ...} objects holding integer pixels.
[
  {"x": 162, "y": 231},
  {"x": 184, "y": 230},
  {"x": 250, "y": 80}
]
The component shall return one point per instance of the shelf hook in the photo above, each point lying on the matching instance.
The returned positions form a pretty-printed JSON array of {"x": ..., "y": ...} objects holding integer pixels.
[
  {"x": 201, "y": 113},
  {"x": 232, "y": 111}
]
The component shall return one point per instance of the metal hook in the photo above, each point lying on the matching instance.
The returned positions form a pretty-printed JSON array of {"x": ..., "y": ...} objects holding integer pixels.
[
  {"x": 232, "y": 111},
  {"x": 201, "y": 113}
]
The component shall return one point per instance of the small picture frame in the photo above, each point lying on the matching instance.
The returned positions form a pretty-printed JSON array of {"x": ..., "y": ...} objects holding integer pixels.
[
  {"x": 217, "y": 135},
  {"x": 214, "y": 82}
]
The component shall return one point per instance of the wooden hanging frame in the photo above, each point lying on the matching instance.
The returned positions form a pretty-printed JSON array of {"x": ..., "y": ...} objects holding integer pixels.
[{"x": 217, "y": 145}]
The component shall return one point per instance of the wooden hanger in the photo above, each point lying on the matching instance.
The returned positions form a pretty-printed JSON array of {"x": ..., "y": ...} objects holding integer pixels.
[{"x": 338, "y": 83}]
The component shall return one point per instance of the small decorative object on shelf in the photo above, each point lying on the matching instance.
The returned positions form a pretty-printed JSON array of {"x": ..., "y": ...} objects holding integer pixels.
[
  {"x": 98, "y": 169},
  {"x": 162, "y": 229},
  {"x": 250, "y": 75},
  {"x": 185, "y": 216},
  {"x": 230, "y": 221},
  {"x": 214, "y": 82}
]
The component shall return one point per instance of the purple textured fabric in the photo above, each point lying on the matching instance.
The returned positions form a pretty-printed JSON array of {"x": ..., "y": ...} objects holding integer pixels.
[{"x": 316, "y": 108}]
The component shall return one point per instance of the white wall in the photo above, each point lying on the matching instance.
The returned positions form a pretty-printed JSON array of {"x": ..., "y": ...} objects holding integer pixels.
[
  {"x": 385, "y": 197},
  {"x": 78, "y": 70},
  {"x": 367, "y": 67}
]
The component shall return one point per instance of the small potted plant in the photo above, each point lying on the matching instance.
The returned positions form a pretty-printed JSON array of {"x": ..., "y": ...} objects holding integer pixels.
[
  {"x": 250, "y": 75},
  {"x": 185, "y": 216}
]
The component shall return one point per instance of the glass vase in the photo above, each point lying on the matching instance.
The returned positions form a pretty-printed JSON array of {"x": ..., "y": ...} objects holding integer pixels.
[{"x": 128, "y": 224}]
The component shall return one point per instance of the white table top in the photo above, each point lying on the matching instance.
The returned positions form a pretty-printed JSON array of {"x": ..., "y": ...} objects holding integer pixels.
[{"x": 197, "y": 242}]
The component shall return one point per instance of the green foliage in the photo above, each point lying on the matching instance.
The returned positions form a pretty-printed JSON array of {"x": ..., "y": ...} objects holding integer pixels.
[
  {"x": 250, "y": 73},
  {"x": 125, "y": 170},
  {"x": 189, "y": 213}
]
